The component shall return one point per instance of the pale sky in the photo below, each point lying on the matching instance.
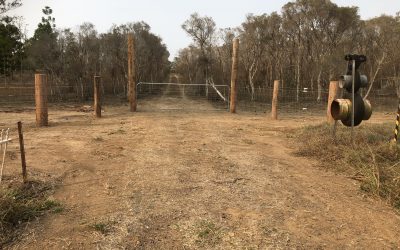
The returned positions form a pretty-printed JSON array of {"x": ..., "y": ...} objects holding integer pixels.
[{"x": 166, "y": 16}]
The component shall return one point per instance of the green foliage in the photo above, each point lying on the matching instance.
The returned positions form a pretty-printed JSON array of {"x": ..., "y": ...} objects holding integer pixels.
[
  {"x": 208, "y": 233},
  {"x": 42, "y": 47},
  {"x": 103, "y": 227},
  {"x": 11, "y": 46},
  {"x": 53, "y": 206},
  {"x": 46, "y": 27}
]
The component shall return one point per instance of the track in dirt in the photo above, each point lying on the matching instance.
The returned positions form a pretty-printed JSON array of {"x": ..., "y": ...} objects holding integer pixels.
[
  {"x": 162, "y": 180},
  {"x": 182, "y": 97}
]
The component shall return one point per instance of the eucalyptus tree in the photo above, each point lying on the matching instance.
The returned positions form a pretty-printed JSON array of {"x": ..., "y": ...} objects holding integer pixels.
[
  {"x": 254, "y": 37},
  {"x": 88, "y": 58},
  {"x": 42, "y": 48},
  {"x": 221, "y": 70},
  {"x": 202, "y": 31},
  {"x": 304, "y": 46},
  {"x": 187, "y": 64},
  {"x": 11, "y": 46},
  {"x": 381, "y": 44},
  {"x": 7, "y": 5}
]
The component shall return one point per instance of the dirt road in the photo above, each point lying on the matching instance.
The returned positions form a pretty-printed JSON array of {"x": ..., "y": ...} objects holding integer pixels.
[{"x": 192, "y": 180}]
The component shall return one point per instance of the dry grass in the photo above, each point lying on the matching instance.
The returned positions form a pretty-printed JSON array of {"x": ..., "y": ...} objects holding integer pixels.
[
  {"x": 372, "y": 159},
  {"x": 208, "y": 233},
  {"x": 21, "y": 203},
  {"x": 104, "y": 227}
]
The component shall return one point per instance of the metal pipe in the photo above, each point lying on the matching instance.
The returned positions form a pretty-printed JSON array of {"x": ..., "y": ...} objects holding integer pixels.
[
  {"x": 178, "y": 84},
  {"x": 5, "y": 141},
  {"x": 367, "y": 110},
  {"x": 341, "y": 109}
]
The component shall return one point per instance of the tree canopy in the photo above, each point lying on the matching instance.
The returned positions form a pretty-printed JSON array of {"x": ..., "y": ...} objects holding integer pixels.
[{"x": 303, "y": 45}]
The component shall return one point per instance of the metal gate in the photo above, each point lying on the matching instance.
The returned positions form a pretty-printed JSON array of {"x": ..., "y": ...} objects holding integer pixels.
[{"x": 179, "y": 96}]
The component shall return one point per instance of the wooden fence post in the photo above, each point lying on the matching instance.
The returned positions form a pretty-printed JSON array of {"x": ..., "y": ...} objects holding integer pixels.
[
  {"x": 131, "y": 73},
  {"x": 274, "y": 111},
  {"x": 41, "y": 100},
  {"x": 333, "y": 91},
  {"x": 22, "y": 151},
  {"x": 235, "y": 63},
  {"x": 97, "y": 96}
]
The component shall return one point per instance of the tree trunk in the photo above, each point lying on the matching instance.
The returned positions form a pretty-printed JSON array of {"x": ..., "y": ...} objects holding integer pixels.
[
  {"x": 378, "y": 68},
  {"x": 298, "y": 78},
  {"x": 251, "y": 83},
  {"x": 319, "y": 86},
  {"x": 281, "y": 77}
]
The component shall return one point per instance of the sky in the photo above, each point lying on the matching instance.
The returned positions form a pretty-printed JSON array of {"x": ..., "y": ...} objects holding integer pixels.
[{"x": 165, "y": 17}]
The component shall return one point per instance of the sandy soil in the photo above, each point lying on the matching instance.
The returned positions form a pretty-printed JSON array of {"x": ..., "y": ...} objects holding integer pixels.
[{"x": 178, "y": 179}]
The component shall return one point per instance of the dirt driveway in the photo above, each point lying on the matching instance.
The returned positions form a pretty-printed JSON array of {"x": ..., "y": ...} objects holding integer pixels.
[{"x": 191, "y": 180}]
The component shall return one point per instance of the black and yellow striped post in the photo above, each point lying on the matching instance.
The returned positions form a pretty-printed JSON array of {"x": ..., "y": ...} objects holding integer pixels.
[{"x": 396, "y": 130}]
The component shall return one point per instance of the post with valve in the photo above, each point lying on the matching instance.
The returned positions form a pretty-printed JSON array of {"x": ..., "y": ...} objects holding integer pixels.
[{"x": 352, "y": 108}]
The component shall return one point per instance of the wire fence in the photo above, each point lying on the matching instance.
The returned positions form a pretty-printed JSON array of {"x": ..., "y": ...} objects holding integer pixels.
[
  {"x": 307, "y": 101},
  {"x": 16, "y": 92},
  {"x": 169, "y": 96},
  {"x": 383, "y": 100},
  {"x": 290, "y": 100}
]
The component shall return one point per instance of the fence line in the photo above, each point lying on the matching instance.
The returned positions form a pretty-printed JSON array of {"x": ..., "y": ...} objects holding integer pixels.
[{"x": 290, "y": 99}]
